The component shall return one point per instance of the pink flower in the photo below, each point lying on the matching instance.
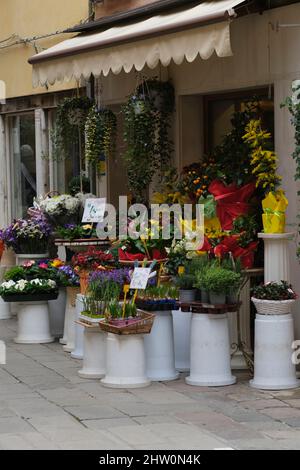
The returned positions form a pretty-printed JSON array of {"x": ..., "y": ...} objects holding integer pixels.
[
  {"x": 28, "y": 264},
  {"x": 43, "y": 266}
]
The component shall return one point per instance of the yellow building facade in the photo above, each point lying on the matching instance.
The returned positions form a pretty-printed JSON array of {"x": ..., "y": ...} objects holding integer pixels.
[{"x": 27, "y": 114}]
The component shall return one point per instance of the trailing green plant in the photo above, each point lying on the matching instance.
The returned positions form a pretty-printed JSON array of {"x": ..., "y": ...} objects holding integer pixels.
[
  {"x": 293, "y": 105},
  {"x": 146, "y": 132},
  {"x": 69, "y": 126},
  {"x": 274, "y": 291},
  {"x": 100, "y": 132}
]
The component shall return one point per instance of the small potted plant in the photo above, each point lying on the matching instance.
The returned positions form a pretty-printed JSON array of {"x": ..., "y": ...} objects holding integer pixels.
[
  {"x": 185, "y": 283},
  {"x": 72, "y": 232},
  {"x": 217, "y": 281},
  {"x": 273, "y": 298},
  {"x": 29, "y": 238}
]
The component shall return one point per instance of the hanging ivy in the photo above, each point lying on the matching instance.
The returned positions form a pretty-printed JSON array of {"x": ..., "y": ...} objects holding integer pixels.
[
  {"x": 71, "y": 115},
  {"x": 293, "y": 105},
  {"x": 147, "y": 116},
  {"x": 100, "y": 133}
]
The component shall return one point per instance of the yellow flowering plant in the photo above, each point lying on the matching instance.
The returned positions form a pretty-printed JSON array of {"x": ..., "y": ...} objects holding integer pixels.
[{"x": 263, "y": 161}]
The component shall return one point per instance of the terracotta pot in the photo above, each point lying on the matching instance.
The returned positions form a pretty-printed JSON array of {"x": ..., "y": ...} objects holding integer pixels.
[{"x": 83, "y": 277}]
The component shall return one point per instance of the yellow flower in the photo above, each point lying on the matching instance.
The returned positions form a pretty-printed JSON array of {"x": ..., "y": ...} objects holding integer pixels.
[
  {"x": 87, "y": 227},
  {"x": 56, "y": 263}
]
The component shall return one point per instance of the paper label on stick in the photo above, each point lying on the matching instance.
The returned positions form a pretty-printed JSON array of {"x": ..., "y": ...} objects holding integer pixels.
[
  {"x": 140, "y": 278},
  {"x": 94, "y": 210}
]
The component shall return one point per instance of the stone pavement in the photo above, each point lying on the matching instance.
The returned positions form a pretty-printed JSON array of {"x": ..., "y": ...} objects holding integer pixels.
[{"x": 44, "y": 404}]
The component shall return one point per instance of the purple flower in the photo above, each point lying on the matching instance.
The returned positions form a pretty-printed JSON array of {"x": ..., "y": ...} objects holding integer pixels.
[{"x": 120, "y": 276}]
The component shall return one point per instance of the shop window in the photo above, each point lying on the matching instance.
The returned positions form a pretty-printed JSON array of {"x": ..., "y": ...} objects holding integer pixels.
[
  {"x": 218, "y": 111},
  {"x": 23, "y": 163}
]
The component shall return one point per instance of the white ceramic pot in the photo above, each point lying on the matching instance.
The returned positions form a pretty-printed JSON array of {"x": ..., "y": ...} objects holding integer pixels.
[
  {"x": 125, "y": 362},
  {"x": 4, "y": 310},
  {"x": 273, "y": 366},
  {"x": 182, "y": 339},
  {"x": 77, "y": 352},
  {"x": 57, "y": 309},
  {"x": 94, "y": 353},
  {"x": 23, "y": 257},
  {"x": 159, "y": 348},
  {"x": 33, "y": 323},
  {"x": 210, "y": 351}
]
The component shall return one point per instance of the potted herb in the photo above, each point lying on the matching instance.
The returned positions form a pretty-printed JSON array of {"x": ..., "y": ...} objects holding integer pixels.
[
  {"x": 217, "y": 281},
  {"x": 273, "y": 298}
]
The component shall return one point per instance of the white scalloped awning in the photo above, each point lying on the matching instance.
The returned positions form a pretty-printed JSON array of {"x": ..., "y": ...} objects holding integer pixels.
[{"x": 201, "y": 30}]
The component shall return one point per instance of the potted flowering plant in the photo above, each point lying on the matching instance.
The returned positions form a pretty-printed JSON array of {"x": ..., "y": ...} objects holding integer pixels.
[
  {"x": 60, "y": 210},
  {"x": 27, "y": 236},
  {"x": 73, "y": 231},
  {"x": 158, "y": 298},
  {"x": 92, "y": 259},
  {"x": 24, "y": 290},
  {"x": 273, "y": 298}
]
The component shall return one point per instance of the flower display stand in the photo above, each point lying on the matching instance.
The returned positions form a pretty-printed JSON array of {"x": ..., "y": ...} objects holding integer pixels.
[
  {"x": 125, "y": 362},
  {"x": 94, "y": 352},
  {"x": 274, "y": 333},
  {"x": 33, "y": 323},
  {"x": 69, "y": 327},
  {"x": 210, "y": 350},
  {"x": 23, "y": 257},
  {"x": 5, "y": 311},
  {"x": 276, "y": 256},
  {"x": 57, "y": 314},
  {"x": 273, "y": 367},
  {"x": 77, "y": 352},
  {"x": 159, "y": 348},
  {"x": 182, "y": 339}
]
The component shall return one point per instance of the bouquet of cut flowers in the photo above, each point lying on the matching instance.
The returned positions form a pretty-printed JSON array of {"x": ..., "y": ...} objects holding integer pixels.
[{"x": 27, "y": 235}]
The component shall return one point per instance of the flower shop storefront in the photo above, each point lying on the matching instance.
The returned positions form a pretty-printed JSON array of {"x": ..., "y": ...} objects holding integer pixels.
[{"x": 202, "y": 123}]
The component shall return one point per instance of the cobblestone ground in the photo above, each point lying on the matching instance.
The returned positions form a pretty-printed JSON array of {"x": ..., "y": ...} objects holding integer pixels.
[{"x": 45, "y": 405}]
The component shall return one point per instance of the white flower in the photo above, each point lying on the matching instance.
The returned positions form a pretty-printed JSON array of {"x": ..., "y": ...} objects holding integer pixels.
[
  {"x": 51, "y": 283},
  {"x": 8, "y": 284}
]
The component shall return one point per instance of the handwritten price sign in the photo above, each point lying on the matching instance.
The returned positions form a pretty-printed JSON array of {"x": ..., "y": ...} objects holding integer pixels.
[{"x": 94, "y": 210}]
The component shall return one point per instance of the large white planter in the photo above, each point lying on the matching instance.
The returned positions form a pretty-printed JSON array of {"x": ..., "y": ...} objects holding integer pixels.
[
  {"x": 210, "y": 351},
  {"x": 273, "y": 367},
  {"x": 70, "y": 325},
  {"x": 23, "y": 257},
  {"x": 182, "y": 339},
  {"x": 57, "y": 309},
  {"x": 125, "y": 362},
  {"x": 94, "y": 353},
  {"x": 4, "y": 306},
  {"x": 159, "y": 348},
  {"x": 77, "y": 352},
  {"x": 33, "y": 323}
]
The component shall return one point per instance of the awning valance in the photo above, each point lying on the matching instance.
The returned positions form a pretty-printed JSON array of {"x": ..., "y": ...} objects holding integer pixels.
[{"x": 201, "y": 30}]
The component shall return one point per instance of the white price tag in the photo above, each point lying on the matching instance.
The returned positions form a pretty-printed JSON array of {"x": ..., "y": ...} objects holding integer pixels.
[
  {"x": 94, "y": 210},
  {"x": 140, "y": 278}
]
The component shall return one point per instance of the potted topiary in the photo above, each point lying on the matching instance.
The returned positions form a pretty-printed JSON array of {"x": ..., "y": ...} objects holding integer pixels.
[{"x": 273, "y": 298}]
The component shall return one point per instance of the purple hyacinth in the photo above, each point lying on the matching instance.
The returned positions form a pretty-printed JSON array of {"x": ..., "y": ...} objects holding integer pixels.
[{"x": 120, "y": 276}]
